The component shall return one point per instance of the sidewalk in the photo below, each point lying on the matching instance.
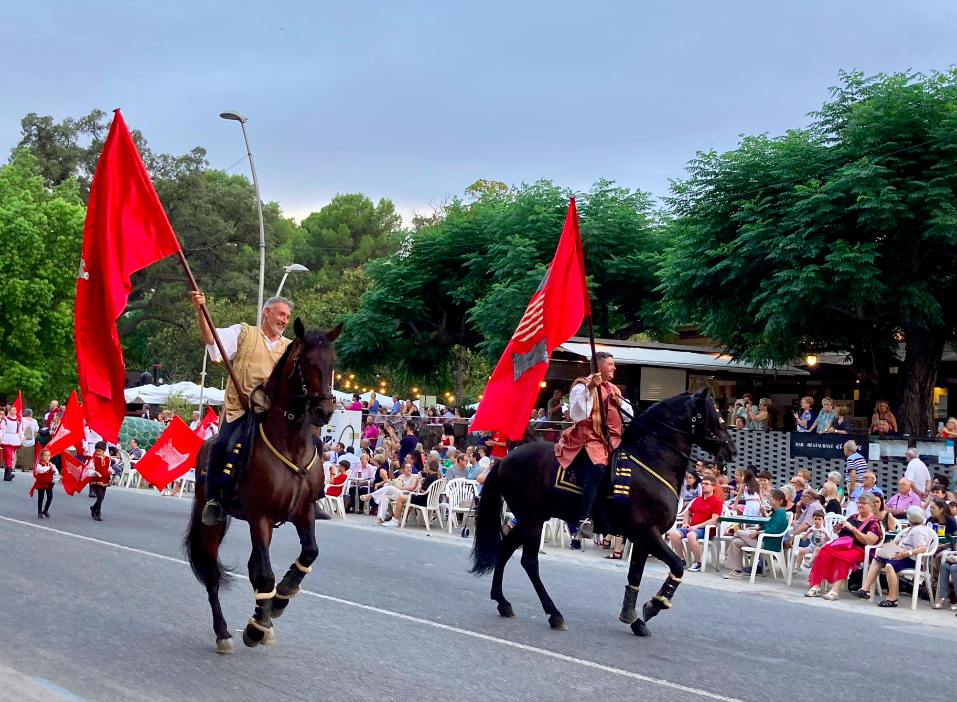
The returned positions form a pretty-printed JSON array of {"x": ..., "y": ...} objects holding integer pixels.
[
  {"x": 592, "y": 557},
  {"x": 15, "y": 687}
]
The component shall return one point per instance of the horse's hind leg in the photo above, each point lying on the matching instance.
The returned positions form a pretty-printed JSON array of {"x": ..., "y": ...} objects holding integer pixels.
[
  {"x": 531, "y": 542},
  {"x": 510, "y": 542},
  {"x": 289, "y": 585},
  {"x": 211, "y": 538},
  {"x": 259, "y": 628},
  {"x": 662, "y": 600}
]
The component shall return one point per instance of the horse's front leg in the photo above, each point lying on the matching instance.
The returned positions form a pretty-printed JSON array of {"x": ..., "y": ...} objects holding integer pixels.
[
  {"x": 662, "y": 600},
  {"x": 636, "y": 569},
  {"x": 288, "y": 587},
  {"x": 259, "y": 628}
]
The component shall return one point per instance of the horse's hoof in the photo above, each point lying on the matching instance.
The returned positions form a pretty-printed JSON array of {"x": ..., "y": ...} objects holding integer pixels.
[
  {"x": 278, "y": 607},
  {"x": 225, "y": 646},
  {"x": 505, "y": 609},
  {"x": 248, "y": 640},
  {"x": 269, "y": 639},
  {"x": 638, "y": 628},
  {"x": 628, "y": 616},
  {"x": 557, "y": 622}
]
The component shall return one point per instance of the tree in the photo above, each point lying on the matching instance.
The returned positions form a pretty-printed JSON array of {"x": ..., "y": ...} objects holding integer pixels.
[
  {"x": 40, "y": 238},
  {"x": 344, "y": 234},
  {"x": 842, "y": 236}
]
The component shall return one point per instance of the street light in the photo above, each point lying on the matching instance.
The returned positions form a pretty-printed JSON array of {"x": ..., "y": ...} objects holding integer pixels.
[
  {"x": 235, "y": 116},
  {"x": 294, "y": 268}
]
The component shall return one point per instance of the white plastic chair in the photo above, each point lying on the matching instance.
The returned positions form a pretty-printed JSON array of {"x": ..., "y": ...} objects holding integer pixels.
[
  {"x": 556, "y": 531},
  {"x": 431, "y": 505},
  {"x": 460, "y": 496},
  {"x": 920, "y": 574},
  {"x": 335, "y": 504},
  {"x": 778, "y": 557},
  {"x": 189, "y": 479}
]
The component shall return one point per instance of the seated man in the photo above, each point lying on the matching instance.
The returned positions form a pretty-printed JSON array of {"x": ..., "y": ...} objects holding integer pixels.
[
  {"x": 361, "y": 473},
  {"x": 906, "y": 497},
  {"x": 912, "y": 541},
  {"x": 701, "y": 513},
  {"x": 135, "y": 452},
  {"x": 808, "y": 506},
  {"x": 868, "y": 484},
  {"x": 883, "y": 428},
  {"x": 459, "y": 469}
]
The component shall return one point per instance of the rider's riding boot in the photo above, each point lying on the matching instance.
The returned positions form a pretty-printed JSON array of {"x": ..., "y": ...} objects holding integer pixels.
[
  {"x": 589, "y": 494},
  {"x": 212, "y": 513}
]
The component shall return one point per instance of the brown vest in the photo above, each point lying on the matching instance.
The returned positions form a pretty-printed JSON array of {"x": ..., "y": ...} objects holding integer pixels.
[
  {"x": 586, "y": 434},
  {"x": 253, "y": 363}
]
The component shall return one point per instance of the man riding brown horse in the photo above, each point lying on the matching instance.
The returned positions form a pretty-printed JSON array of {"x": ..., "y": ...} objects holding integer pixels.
[
  {"x": 254, "y": 353},
  {"x": 584, "y": 445}
]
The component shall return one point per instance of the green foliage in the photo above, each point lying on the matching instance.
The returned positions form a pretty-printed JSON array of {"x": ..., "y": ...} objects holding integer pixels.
[
  {"x": 40, "y": 238},
  {"x": 842, "y": 236},
  {"x": 344, "y": 234}
]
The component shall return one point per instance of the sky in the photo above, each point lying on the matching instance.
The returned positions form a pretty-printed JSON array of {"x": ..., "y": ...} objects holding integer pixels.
[{"x": 414, "y": 101}]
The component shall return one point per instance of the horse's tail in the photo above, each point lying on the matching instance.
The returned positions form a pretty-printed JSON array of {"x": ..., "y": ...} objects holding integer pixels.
[
  {"x": 205, "y": 563},
  {"x": 488, "y": 525}
]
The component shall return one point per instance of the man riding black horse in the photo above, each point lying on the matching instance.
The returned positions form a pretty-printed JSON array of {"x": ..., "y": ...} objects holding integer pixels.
[
  {"x": 584, "y": 445},
  {"x": 254, "y": 352}
]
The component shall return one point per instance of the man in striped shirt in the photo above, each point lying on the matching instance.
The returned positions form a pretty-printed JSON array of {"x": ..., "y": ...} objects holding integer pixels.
[{"x": 855, "y": 465}]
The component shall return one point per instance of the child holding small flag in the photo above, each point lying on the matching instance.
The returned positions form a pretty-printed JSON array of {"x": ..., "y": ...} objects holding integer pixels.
[
  {"x": 98, "y": 470},
  {"x": 43, "y": 474}
]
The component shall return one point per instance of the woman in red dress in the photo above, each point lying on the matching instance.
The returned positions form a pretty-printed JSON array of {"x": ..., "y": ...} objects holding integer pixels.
[{"x": 838, "y": 558}]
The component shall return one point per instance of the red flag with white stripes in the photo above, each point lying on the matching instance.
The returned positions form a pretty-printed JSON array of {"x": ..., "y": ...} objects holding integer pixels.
[{"x": 554, "y": 314}]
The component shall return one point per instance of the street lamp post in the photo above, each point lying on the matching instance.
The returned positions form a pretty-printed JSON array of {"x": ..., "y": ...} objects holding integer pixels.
[
  {"x": 293, "y": 268},
  {"x": 234, "y": 115}
]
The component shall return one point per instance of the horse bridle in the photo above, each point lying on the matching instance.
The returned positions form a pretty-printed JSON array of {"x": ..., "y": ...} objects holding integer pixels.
[
  {"x": 694, "y": 435},
  {"x": 311, "y": 398}
]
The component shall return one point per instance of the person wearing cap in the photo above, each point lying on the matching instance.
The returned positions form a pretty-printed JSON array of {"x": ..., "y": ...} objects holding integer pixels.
[{"x": 911, "y": 542}]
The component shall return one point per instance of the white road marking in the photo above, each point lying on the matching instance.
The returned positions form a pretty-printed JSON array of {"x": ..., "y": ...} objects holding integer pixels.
[{"x": 417, "y": 620}]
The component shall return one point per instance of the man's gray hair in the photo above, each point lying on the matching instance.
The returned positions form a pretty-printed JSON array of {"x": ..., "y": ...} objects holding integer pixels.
[
  {"x": 851, "y": 446},
  {"x": 915, "y": 514},
  {"x": 273, "y": 300},
  {"x": 601, "y": 356},
  {"x": 28, "y": 412},
  {"x": 912, "y": 452}
]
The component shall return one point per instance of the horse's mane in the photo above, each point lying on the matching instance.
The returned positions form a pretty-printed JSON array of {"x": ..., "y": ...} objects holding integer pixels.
[
  {"x": 272, "y": 385},
  {"x": 644, "y": 419}
]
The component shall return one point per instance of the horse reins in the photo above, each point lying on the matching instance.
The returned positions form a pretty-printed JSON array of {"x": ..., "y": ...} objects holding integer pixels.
[{"x": 692, "y": 435}]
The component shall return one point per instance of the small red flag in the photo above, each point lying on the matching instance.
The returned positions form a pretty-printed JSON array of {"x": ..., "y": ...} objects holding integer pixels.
[
  {"x": 125, "y": 230},
  {"x": 209, "y": 419},
  {"x": 72, "y": 476},
  {"x": 554, "y": 314},
  {"x": 18, "y": 403},
  {"x": 171, "y": 456},
  {"x": 70, "y": 430}
]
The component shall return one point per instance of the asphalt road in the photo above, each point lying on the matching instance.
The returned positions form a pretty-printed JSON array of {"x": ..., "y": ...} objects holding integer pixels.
[{"x": 110, "y": 612}]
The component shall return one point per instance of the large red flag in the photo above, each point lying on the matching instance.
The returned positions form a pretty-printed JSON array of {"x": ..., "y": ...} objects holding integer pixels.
[
  {"x": 171, "y": 456},
  {"x": 72, "y": 476},
  {"x": 18, "y": 403},
  {"x": 70, "y": 430},
  {"x": 554, "y": 314},
  {"x": 125, "y": 230}
]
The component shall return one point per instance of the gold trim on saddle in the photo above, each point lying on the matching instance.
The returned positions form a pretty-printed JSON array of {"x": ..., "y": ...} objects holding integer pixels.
[
  {"x": 285, "y": 460},
  {"x": 628, "y": 456},
  {"x": 562, "y": 482}
]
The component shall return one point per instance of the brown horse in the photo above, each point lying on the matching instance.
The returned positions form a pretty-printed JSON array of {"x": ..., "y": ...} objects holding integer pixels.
[{"x": 281, "y": 482}]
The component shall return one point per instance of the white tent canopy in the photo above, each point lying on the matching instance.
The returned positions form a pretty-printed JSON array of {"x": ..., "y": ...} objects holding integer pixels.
[{"x": 159, "y": 394}]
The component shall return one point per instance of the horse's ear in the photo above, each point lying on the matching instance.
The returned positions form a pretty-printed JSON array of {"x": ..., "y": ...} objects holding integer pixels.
[
  {"x": 333, "y": 334},
  {"x": 299, "y": 329},
  {"x": 704, "y": 392}
]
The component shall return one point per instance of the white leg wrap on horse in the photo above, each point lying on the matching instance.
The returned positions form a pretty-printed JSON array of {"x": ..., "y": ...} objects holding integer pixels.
[
  {"x": 264, "y": 595},
  {"x": 256, "y": 625},
  {"x": 300, "y": 566}
]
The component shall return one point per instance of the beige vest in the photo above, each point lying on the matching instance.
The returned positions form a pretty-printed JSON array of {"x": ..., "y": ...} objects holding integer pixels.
[{"x": 253, "y": 363}]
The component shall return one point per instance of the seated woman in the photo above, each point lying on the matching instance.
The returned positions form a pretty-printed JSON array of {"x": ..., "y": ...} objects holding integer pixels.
[
  {"x": 883, "y": 515},
  {"x": 836, "y": 559},
  {"x": 419, "y": 496},
  {"x": 406, "y": 482},
  {"x": 749, "y": 537},
  {"x": 912, "y": 541},
  {"x": 832, "y": 505},
  {"x": 690, "y": 489},
  {"x": 448, "y": 439}
]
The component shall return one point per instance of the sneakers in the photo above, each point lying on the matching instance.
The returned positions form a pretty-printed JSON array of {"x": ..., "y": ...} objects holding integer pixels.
[
  {"x": 733, "y": 574},
  {"x": 695, "y": 567}
]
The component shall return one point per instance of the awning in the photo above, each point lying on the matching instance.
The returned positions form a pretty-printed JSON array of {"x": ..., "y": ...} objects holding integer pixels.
[{"x": 701, "y": 361}]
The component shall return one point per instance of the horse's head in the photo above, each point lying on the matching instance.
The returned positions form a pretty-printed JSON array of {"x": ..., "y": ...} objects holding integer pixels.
[
  {"x": 707, "y": 429},
  {"x": 315, "y": 357}
]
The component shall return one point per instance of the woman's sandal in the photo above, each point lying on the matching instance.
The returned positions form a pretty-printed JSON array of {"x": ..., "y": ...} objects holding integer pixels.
[
  {"x": 613, "y": 556},
  {"x": 831, "y": 596},
  {"x": 887, "y": 603},
  {"x": 606, "y": 543},
  {"x": 813, "y": 592}
]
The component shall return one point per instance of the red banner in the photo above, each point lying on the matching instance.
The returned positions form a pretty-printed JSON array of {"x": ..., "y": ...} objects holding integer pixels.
[
  {"x": 72, "y": 476},
  {"x": 70, "y": 430},
  {"x": 171, "y": 456}
]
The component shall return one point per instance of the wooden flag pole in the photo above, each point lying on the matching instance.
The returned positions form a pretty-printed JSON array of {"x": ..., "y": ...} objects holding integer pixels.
[
  {"x": 591, "y": 330},
  {"x": 244, "y": 401}
]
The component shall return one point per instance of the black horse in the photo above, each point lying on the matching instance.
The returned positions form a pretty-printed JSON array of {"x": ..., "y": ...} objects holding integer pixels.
[{"x": 654, "y": 450}]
